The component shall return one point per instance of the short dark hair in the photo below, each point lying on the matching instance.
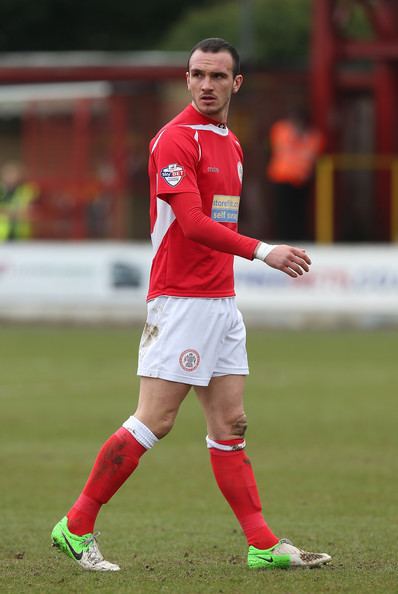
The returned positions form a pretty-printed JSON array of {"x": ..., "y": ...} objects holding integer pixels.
[{"x": 215, "y": 45}]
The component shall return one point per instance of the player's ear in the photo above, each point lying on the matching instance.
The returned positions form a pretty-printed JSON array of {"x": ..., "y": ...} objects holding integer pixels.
[
  {"x": 187, "y": 78},
  {"x": 238, "y": 80}
]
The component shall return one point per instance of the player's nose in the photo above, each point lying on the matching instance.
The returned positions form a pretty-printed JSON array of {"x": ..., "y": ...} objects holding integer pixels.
[{"x": 207, "y": 83}]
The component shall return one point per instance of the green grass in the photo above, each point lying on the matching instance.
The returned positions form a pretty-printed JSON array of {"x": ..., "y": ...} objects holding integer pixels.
[{"x": 322, "y": 436}]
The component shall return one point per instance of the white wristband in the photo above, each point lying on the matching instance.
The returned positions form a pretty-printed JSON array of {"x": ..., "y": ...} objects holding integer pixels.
[{"x": 262, "y": 250}]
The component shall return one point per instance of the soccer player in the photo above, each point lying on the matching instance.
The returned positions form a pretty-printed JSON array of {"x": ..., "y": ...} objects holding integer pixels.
[{"x": 194, "y": 335}]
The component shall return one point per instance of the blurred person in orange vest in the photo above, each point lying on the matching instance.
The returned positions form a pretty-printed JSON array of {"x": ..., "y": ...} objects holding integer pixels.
[
  {"x": 295, "y": 146},
  {"x": 16, "y": 198}
]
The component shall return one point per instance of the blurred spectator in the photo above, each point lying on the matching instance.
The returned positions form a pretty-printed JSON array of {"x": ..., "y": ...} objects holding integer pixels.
[
  {"x": 16, "y": 199},
  {"x": 295, "y": 146},
  {"x": 100, "y": 198}
]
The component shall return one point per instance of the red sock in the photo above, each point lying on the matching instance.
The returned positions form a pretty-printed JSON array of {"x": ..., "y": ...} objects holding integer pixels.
[
  {"x": 117, "y": 459},
  {"x": 234, "y": 475}
]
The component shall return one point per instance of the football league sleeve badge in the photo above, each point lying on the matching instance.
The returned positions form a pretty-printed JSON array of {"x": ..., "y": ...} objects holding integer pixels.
[{"x": 173, "y": 174}]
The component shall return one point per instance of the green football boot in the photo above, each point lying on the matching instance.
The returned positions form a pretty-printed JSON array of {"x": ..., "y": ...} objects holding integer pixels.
[
  {"x": 83, "y": 549},
  {"x": 284, "y": 555}
]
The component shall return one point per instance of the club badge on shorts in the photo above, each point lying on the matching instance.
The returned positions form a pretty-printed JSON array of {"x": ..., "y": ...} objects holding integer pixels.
[
  {"x": 189, "y": 360},
  {"x": 173, "y": 174}
]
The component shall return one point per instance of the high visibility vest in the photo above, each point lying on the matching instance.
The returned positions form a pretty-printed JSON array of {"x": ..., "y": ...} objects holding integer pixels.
[
  {"x": 14, "y": 222},
  {"x": 293, "y": 153}
]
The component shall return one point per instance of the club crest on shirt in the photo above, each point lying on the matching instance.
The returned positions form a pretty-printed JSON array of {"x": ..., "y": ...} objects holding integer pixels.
[
  {"x": 189, "y": 360},
  {"x": 240, "y": 171},
  {"x": 173, "y": 174}
]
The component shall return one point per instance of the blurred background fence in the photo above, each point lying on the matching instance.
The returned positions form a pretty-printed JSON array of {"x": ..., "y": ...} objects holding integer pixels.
[{"x": 75, "y": 124}]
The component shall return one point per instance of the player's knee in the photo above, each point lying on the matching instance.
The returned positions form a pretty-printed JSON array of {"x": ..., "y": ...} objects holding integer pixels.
[
  {"x": 164, "y": 425},
  {"x": 239, "y": 425}
]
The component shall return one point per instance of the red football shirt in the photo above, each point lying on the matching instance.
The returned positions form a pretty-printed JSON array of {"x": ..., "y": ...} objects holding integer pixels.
[{"x": 194, "y": 156}]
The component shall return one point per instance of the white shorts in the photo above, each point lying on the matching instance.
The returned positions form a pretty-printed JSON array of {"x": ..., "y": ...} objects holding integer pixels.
[{"x": 190, "y": 340}]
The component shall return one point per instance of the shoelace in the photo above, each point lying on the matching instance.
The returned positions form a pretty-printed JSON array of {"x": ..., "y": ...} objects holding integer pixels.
[
  {"x": 286, "y": 541},
  {"x": 93, "y": 554},
  {"x": 304, "y": 555},
  {"x": 92, "y": 538}
]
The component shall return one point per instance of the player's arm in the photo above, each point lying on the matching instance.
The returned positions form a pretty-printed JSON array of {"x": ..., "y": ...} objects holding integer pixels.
[{"x": 198, "y": 227}]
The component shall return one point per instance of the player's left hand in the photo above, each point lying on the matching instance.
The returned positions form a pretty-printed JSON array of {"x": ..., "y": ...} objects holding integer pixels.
[{"x": 288, "y": 259}]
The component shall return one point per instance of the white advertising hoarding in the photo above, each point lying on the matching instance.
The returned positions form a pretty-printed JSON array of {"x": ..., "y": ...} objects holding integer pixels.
[
  {"x": 357, "y": 283},
  {"x": 108, "y": 281},
  {"x": 74, "y": 280}
]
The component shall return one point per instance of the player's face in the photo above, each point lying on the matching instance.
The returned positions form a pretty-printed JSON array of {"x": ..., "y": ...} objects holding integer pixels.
[{"x": 211, "y": 82}]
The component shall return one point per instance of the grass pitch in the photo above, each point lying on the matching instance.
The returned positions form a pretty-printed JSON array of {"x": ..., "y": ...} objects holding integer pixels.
[{"x": 322, "y": 437}]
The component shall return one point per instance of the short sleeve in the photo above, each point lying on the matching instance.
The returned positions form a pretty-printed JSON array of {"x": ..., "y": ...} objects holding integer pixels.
[{"x": 176, "y": 157}]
